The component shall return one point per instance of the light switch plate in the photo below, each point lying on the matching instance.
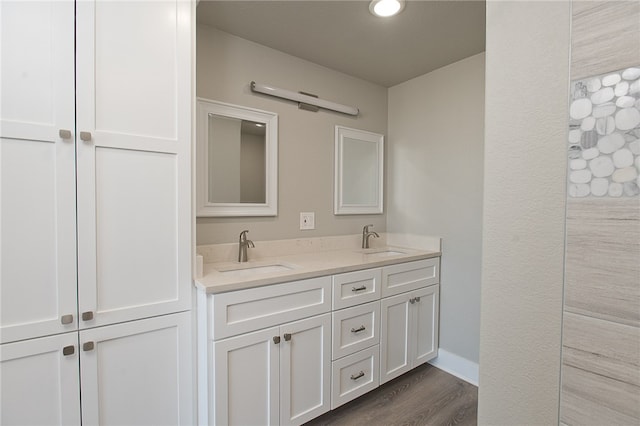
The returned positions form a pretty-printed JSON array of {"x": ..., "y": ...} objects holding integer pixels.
[{"x": 307, "y": 220}]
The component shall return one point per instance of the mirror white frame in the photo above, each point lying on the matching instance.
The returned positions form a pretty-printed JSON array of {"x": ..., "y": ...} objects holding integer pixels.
[
  {"x": 374, "y": 165},
  {"x": 205, "y": 208}
]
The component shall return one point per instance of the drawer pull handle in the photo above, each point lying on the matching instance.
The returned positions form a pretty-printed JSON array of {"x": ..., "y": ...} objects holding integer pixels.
[
  {"x": 66, "y": 319},
  {"x": 357, "y": 376},
  {"x": 88, "y": 346},
  {"x": 359, "y": 329},
  {"x": 68, "y": 350},
  {"x": 354, "y": 289},
  {"x": 276, "y": 339}
]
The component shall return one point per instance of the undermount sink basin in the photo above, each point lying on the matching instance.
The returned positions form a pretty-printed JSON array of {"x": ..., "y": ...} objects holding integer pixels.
[
  {"x": 383, "y": 253},
  {"x": 250, "y": 271}
]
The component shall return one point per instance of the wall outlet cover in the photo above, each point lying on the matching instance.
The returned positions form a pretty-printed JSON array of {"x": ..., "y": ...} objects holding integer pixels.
[{"x": 307, "y": 220}]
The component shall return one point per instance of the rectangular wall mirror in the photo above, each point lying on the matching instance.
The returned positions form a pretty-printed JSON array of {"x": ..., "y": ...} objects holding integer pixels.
[
  {"x": 236, "y": 160},
  {"x": 359, "y": 162}
]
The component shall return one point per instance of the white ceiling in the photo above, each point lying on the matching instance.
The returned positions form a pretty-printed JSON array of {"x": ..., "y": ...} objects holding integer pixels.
[{"x": 344, "y": 36}]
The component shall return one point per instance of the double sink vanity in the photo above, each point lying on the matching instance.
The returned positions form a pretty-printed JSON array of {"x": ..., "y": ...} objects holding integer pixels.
[
  {"x": 307, "y": 325},
  {"x": 290, "y": 329}
]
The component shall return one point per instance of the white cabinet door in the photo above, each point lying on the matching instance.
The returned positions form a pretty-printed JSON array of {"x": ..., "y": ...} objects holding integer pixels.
[
  {"x": 280, "y": 375},
  {"x": 395, "y": 334},
  {"x": 425, "y": 325},
  {"x": 133, "y": 158},
  {"x": 37, "y": 170},
  {"x": 305, "y": 369},
  {"x": 245, "y": 380},
  {"x": 39, "y": 383},
  {"x": 409, "y": 331},
  {"x": 138, "y": 373}
]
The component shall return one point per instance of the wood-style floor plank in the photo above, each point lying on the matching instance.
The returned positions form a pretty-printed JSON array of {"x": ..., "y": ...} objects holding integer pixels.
[{"x": 423, "y": 396}]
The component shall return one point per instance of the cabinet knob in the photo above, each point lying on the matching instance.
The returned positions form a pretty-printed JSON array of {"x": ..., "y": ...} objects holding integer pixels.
[
  {"x": 85, "y": 136},
  {"x": 64, "y": 134},
  {"x": 287, "y": 337},
  {"x": 276, "y": 339},
  {"x": 363, "y": 287},
  {"x": 66, "y": 319},
  {"x": 357, "y": 376},
  {"x": 68, "y": 350},
  {"x": 88, "y": 346},
  {"x": 87, "y": 316},
  {"x": 359, "y": 329},
  {"x": 418, "y": 299},
  {"x": 412, "y": 300}
]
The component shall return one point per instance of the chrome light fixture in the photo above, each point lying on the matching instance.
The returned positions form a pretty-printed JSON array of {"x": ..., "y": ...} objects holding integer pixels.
[
  {"x": 304, "y": 100},
  {"x": 386, "y": 8}
]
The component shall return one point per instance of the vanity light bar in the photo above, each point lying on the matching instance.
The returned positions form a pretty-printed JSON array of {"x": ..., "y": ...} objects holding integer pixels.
[{"x": 302, "y": 98}]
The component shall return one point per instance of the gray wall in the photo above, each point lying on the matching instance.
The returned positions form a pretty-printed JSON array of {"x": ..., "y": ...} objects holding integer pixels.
[
  {"x": 527, "y": 80},
  {"x": 436, "y": 125},
  {"x": 225, "y": 66}
]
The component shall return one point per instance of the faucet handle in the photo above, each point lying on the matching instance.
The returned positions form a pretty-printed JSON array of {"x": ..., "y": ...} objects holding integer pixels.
[{"x": 366, "y": 227}]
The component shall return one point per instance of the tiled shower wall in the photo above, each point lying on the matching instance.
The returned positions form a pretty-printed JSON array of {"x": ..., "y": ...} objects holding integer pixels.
[{"x": 601, "y": 319}]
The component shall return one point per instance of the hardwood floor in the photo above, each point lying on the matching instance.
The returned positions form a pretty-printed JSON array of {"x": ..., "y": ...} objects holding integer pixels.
[{"x": 424, "y": 396}]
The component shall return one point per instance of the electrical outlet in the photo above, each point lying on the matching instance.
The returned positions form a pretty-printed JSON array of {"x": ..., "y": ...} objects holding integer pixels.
[{"x": 307, "y": 220}]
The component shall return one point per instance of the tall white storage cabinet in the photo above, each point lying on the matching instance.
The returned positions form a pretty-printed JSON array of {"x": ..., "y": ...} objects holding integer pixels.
[{"x": 95, "y": 197}]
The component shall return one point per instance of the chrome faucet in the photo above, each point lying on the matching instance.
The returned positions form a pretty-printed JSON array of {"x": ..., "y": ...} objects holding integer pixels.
[
  {"x": 242, "y": 246},
  {"x": 366, "y": 234}
]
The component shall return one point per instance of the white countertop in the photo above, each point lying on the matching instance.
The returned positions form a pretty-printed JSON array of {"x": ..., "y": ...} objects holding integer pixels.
[{"x": 303, "y": 266}]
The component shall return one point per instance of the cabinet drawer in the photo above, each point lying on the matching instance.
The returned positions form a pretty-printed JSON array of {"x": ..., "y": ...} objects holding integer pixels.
[
  {"x": 354, "y": 288},
  {"x": 242, "y": 311},
  {"x": 355, "y": 329},
  {"x": 404, "y": 277},
  {"x": 354, "y": 375}
]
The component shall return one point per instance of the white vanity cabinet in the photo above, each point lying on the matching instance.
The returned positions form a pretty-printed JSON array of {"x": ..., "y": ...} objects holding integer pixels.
[
  {"x": 277, "y": 375},
  {"x": 409, "y": 331},
  {"x": 95, "y": 152},
  {"x": 286, "y": 353}
]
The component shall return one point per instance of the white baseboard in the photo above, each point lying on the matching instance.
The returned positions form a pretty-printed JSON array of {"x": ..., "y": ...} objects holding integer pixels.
[{"x": 460, "y": 367}]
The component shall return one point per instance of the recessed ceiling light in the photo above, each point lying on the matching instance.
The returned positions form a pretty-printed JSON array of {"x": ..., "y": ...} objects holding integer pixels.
[{"x": 386, "y": 8}]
